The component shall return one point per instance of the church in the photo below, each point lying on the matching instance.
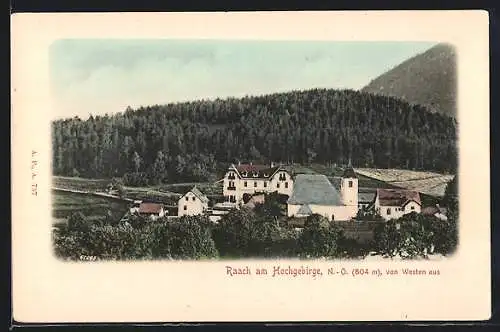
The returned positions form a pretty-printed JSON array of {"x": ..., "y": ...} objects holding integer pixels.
[{"x": 315, "y": 194}]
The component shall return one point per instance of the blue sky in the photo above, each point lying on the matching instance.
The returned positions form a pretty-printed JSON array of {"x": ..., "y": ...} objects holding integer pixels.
[{"x": 106, "y": 76}]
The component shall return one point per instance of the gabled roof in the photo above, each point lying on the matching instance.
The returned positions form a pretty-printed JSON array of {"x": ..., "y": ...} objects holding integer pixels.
[
  {"x": 397, "y": 197},
  {"x": 251, "y": 171},
  {"x": 314, "y": 189},
  {"x": 199, "y": 194},
  {"x": 305, "y": 210},
  {"x": 150, "y": 208}
]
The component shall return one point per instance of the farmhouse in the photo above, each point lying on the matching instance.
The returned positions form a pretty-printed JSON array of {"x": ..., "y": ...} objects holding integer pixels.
[
  {"x": 250, "y": 179},
  {"x": 151, "y": 210},
  {"x": 394, "y": 203},
  {"x": 315, "y": 194},
  {"x": 194, "y": 202}
]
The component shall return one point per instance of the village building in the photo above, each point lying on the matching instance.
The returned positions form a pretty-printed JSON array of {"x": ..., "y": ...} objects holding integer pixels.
[
  {"x": 315, "y": 194},
  {"x": 250, "y": 179},
  {"x": 192, "y": 203},
  {"x": 436, "y": 211},
  {"x": 151, "y": 210},
  {"x": 394, "y": 203}
]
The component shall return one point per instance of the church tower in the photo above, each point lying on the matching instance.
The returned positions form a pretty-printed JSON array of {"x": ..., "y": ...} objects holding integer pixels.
[{"x": 349, "y": 187}]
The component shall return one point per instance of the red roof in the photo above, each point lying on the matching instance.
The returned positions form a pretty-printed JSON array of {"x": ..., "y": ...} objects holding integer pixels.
[
  {"x": 150, "y": 208},
  {"x": 255, "y": 171},
  {"x": 397, "y": 197}
]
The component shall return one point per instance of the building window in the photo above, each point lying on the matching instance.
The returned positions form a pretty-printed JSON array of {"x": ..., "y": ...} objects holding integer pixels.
[
  {"x": 333, "y": 217},
  {"x": 286, "y": 184},
  {"x": 350, "y": 183},
  {"x": 245, "y": 183},
  {"x": 255, "y": 184},
  {"x": 277, "y": 185},
  {"x": 187, "y": 198},
  {"x": 194, "y": 198},
  {"x": 388, "y": 211},
  {"x": 185, "y": 207},
  {"x": 413, "y": 208},
  {"x": 265, "y": 184}
]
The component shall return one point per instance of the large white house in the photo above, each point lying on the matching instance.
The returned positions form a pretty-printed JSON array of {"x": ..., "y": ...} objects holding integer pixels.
[
  {"x": 394, "y": 203},
  {"x": 194, "y": 202},
  {"x": 250, "y": 179},
  {"x": 315, "y": 194}
]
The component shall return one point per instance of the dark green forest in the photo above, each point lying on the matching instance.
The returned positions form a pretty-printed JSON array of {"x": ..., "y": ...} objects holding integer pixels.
[{"x": 192, "y": 141}]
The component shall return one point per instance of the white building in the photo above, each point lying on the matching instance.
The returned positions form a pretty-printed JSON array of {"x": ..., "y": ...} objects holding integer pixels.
[
  {"x": 194, "y": 202},
  {"x": 315, "y": 194},
  {"x": 394, "y": 203},
  {"x": 250, "y": 179}
]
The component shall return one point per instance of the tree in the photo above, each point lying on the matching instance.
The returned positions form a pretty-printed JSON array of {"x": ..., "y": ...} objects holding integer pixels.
[
  {"x": 137, "y": 161},
  {"x": 190, "y": 238},
  {"x": 233, "y": 233},
  {"x": 410, "y": 236},
  {"x": 271, "y": 206},
  {"x": 77, "y": 222},
  {"x": 159, "y": 169},
  {"x": 319, "y": 238}
]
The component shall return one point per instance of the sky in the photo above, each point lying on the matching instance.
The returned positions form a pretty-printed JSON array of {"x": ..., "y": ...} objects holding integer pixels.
[{"x": 105, "y": 76}]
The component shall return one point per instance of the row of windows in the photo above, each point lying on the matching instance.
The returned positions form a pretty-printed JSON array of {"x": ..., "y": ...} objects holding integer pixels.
[
  {"x": 187, "y": 198},
  {"x": 245, "y": 184},
  {"x": 232, "y": 176},
  {"x": 398, "y": 209}
]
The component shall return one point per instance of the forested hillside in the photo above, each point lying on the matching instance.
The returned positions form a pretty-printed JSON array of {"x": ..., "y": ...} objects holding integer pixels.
[
  {"x": 428, "y": 79},
  {"x": 190, "y": 141}
]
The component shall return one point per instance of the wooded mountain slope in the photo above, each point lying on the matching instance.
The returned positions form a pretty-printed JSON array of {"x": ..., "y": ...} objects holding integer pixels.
[
  {"x": 190, "y": 141},
  {"x": 428, "y": 79}
]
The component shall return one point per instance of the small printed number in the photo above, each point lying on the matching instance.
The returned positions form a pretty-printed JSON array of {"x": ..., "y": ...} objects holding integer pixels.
[{"x": 87, "y": 258}]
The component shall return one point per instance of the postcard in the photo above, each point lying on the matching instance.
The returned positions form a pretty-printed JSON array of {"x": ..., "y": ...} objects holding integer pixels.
[{"x": 250, "y": 166}]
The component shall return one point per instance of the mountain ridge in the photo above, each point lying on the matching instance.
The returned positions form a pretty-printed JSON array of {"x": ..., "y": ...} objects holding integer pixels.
[{"x": 428, "y": 79}]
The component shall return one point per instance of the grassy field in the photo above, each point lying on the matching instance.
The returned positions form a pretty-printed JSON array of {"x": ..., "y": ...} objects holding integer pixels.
[
  {"x": 93, "y": 207},
  {"x": 429, "y": 183},
  {"x": 82, "y": 184}
]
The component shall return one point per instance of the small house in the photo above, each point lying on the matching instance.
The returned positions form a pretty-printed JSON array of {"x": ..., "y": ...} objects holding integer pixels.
[
  {"x": 394, "y": 203},
  {"x": 194, "y": 202},
  {"x": 151, "y": 210}
]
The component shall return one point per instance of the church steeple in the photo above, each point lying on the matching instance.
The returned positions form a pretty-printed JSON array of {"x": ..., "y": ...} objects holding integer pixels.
[
  {"x": 349, "y": 172},
  {"x": 349, "y": 186}
]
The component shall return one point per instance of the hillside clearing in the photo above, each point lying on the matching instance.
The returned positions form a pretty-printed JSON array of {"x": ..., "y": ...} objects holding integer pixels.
[{"x": 430, "y": 183}]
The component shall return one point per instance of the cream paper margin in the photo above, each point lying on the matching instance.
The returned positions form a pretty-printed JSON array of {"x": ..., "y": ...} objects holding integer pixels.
[{"x": 46, "y": 290}]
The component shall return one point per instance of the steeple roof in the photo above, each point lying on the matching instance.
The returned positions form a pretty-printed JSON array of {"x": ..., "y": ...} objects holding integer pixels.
[{"x": 349, "y": 173}]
